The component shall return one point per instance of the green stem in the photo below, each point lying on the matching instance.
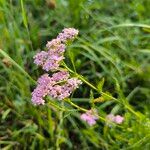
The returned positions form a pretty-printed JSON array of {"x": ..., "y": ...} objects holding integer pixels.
[
  {"x": 80, "y": 77},
  {"x": 73, "y": 104},
  {"x": 131, "y": 110},
  {"x": 62, "y": 109},
  {"x": 89, "y": 84},
  {"x": 83, "y": 109},
  {"x": 57, "y": 107},
  {"x": 93, "y": 87}
]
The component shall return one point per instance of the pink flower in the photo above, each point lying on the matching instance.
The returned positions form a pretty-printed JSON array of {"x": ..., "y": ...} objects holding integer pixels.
[
  {"x": 53, "y": 87},
  {"x": 68, "y": 34},
  {"x": 119, "y": 119},
  {"x": 40, "y": 58},
  {"x": 90, "y": 117},
  {"x": 59, "y": 86},
  {"x": 42, "y": 89},
  {"x": 60, "y": 76},
  {"x": 110, "y": 117},
  {"x": 116, "y": 119},
  {"x": 51, "y": 60},
  {"x": 52, "y": 63},
  {"x": 53, "y": 44},
  {"x": 73, "y": 83}
]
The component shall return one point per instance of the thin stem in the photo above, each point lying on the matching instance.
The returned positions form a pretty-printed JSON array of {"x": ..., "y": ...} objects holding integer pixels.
[
  {"x": 93, "y": 87},
  {"x": 83, "y": 109},
  {"x": 62, "y": 109},
  {"x": 131, "y": 110},
  {"x": 73, "y": 104},
  {"x": 111, "y": 97},
  {"x": 85, "y": 81},
  {"x": 57, "y": 107},
  {"x": 80, "y": 77},
  {"x": 89, "y": 84}
]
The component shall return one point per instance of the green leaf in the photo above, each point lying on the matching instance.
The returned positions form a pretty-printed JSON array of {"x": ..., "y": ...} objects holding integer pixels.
[
  {"x": 24, "y": 15},
  {"x": 100, "y": 85}
]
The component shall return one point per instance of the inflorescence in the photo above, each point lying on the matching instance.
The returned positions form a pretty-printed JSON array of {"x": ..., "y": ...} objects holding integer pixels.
[
  {"x": 90, "y": 117},
  {"x": 60, "y": 85},
  {"x": 116, "y": 119}
]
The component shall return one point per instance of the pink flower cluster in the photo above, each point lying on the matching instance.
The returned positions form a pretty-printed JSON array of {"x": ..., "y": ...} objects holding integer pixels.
[
  {"x": 90, "y": 117},
  {"x": 68, "y": 34},
  {"x": 60, "y": 85},
  {"x": 116, "y": 119},
  {"x": 50, "y": 60}
]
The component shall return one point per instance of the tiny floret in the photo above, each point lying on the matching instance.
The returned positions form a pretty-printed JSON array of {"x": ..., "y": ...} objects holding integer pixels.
[
  {"x": 60, "y": 76},
  {"x": 40, "y": 58},
  {"x": 116, "y": 119},
  {"x": 90, "y": 117}
]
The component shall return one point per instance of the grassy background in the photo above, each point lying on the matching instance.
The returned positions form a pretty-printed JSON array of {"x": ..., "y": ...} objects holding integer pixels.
[{"x": 113, "y": 45}]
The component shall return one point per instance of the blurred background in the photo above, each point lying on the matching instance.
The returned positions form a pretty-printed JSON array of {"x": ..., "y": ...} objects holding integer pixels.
[{"x": 113, "y": 45}]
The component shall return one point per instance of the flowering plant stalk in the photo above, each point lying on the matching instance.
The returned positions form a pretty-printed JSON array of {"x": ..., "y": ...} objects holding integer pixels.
[{"x": 64, "y": 81}]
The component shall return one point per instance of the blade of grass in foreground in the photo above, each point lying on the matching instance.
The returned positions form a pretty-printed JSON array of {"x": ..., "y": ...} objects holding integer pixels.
[
  {"x": 17, "y": 66},
  {"x": 125, "y": 25},
  {"x": 25, "y": 22}
]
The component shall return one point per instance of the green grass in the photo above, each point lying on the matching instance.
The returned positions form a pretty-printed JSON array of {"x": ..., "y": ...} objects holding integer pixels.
[{"x": 113, "y": 45}]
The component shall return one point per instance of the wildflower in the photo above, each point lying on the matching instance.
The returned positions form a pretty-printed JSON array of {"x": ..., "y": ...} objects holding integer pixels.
[
  {"x": 73, "y": 83},
  {"x": 119, "y": 119},
  {"x": 37, "y": 96},
  {"x": 116, "y": 119},
  {"x": 52, "y": 63},
  {"x": 55, "y": 91},
  {"x": 40, "y": 58},
  {"x": 57, "y": 50},
  {"x": 63, "y": 91},
  {"x": 60, "y": 85},
  {"x": 60, "y": 76},
  {"x": 42, "y": 89},
  {"x": 68, "y": 34},
  {"x": 53, "y": 43},
  {"x": 45, "y": 80},
  {"x": 90, "y": 117},
  {"x": 50, "y": 60}
]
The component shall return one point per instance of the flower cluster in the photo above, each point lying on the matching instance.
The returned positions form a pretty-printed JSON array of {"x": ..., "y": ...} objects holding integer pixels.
[
  {"x": 68, "y": 34},
  {"x": 90, "y": 117},
  {"x": 116, "y": 119},
  {"x": 51, "y": 60},
  {"x": 60, "y": 85}
]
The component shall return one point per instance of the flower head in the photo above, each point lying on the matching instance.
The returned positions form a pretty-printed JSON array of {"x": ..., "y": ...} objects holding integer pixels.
[
  {"x": 40, "y": 58},
  {"x": 119, "y": 119},
  {"x": 53, "y": 44},
  {"x": 116, "y": 119},
  {"x": 90, "y": 117},
  {"x": 60, "y": 76},
  {"x": 42, "y": 89},
  {"x": 68, "y": 34},
  {"x": 60, "y": 85}
]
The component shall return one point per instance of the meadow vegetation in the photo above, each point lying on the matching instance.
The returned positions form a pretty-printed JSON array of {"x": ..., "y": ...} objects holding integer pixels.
[{"x": 112, "y": 52}]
